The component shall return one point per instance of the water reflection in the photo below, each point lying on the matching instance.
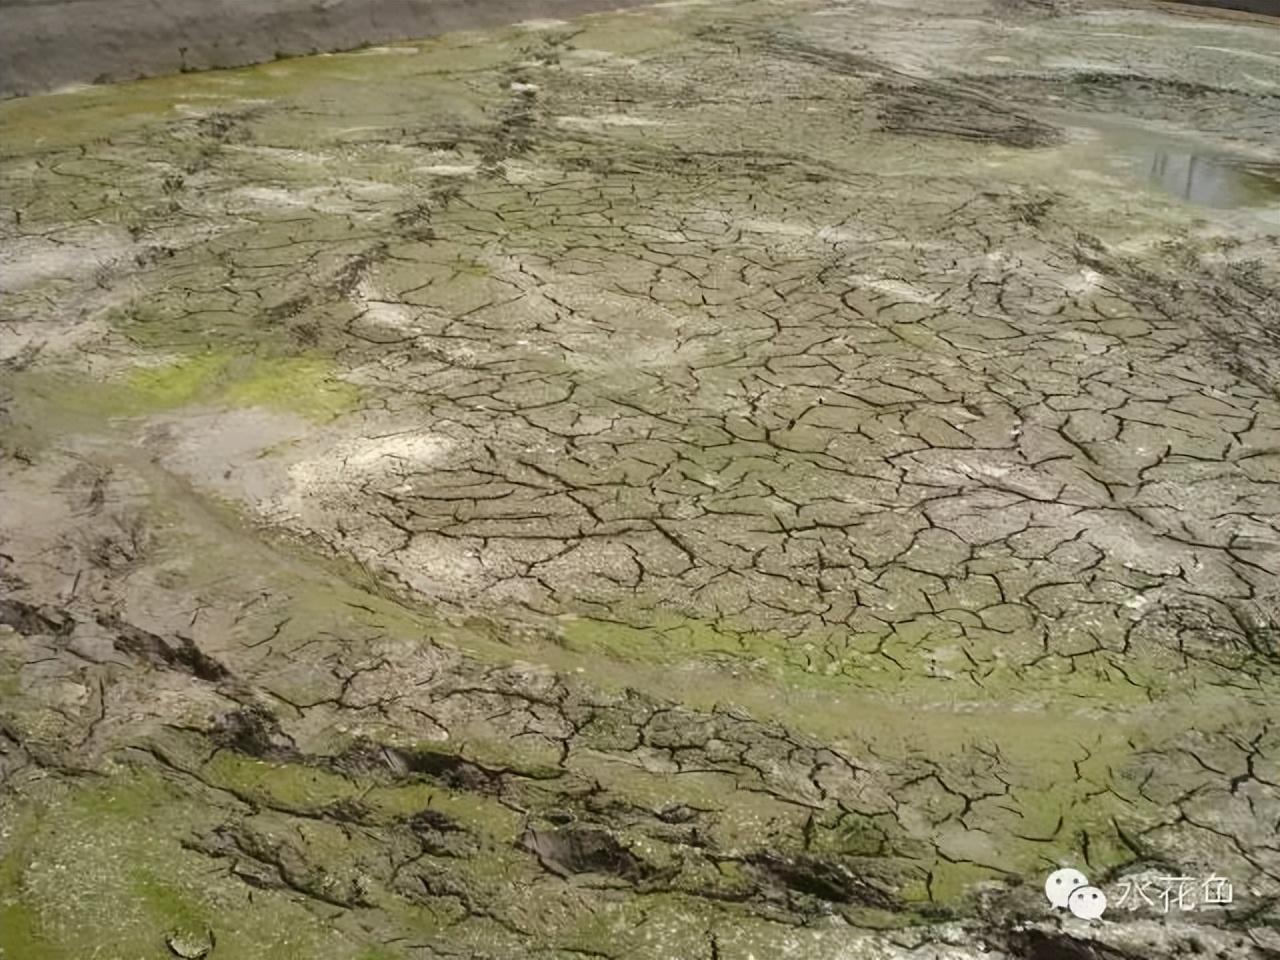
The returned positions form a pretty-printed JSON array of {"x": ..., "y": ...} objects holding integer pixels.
[{"x": 1213, "y": 181}]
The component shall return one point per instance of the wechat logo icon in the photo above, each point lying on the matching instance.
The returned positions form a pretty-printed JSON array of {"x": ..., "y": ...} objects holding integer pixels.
[{"x": 1069, "y": 889}]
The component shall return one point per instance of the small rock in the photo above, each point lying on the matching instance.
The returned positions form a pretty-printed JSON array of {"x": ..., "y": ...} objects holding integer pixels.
[{"x": 190, "y": 946}]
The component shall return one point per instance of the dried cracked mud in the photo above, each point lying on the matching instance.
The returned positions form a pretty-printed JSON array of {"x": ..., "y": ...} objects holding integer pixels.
[{"x": 715, "y": 481}]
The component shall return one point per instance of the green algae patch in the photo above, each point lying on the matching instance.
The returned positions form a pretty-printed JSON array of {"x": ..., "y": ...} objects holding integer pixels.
[
  {"x": 96, "y": 866},
  {"x": 305, "y": 385},
  {"x": 134, "y": 107},
  {"x": 673, "y": 639},
  {"x": 19, "y": 922},
  {"x": 309, "y": 790},
  {"x": 302, "y": 385},
  {"x": 107, "y": 869},
  {"x": 290, "y": 786},
  {"x": 179, "y": 383},
  {"x": 177, "y": 912},
  {"x": 378, "y": 953},
  {"x": 47, "y": 122},
  {"x": 19, "y": 934},
  {"x": 928, "y": 659}
]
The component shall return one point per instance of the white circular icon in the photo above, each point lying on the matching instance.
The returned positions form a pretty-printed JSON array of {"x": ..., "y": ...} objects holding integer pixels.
[
  {"x": 1087, "y": 903},
  {"x": 1061, "y": 884}
]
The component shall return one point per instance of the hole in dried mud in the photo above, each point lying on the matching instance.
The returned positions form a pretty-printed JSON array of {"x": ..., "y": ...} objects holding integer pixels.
[
  {"x": 584, "y": 850},
  {"x": 825, "y": 880}
]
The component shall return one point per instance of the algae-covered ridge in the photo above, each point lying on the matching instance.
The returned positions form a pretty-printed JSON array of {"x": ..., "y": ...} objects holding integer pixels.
[{"x": 717, "y": 480}]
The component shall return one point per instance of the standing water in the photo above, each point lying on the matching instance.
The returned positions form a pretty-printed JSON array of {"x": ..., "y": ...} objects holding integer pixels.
[{"x": 1213, "y": 181}]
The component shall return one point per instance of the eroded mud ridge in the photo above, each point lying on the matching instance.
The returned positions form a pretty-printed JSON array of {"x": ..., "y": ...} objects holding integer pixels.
[{"x": 714, "y": 481}]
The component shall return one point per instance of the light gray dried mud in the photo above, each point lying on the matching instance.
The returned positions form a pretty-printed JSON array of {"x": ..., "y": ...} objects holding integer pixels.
[{"x": 717, "y": 481}]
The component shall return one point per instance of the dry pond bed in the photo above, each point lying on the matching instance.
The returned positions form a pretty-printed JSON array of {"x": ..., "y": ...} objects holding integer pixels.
[{"x": 713, "y": 481}]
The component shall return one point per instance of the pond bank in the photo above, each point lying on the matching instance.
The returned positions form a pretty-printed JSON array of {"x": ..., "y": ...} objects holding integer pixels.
[{"x": 45, "y": 46}]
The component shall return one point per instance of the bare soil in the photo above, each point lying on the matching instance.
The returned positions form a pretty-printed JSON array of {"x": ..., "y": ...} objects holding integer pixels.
[{"x": 713, "y": 481}]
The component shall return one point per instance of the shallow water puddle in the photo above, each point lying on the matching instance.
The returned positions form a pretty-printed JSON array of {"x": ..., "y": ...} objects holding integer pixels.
[
  {"x": 1189, "y": 170},
  {"x": 1195, "y": 170},
  {"x": 1211, "y": 181}
]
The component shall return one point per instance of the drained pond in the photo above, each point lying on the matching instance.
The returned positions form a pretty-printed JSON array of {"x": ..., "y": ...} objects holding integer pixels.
[{"x": 709, "y": 481}]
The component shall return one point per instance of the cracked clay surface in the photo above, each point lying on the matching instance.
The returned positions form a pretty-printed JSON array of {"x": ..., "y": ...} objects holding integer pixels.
[{"x": 713, "y": 481}]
